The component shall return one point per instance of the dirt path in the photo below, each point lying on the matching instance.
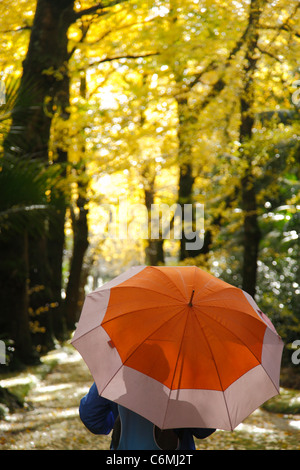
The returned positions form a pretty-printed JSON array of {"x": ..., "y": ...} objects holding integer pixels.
[{"x": 51, "y": 419}]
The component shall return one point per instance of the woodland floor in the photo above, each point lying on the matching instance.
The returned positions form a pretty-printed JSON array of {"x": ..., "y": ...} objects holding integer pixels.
[{"x": 50, "y": 421}]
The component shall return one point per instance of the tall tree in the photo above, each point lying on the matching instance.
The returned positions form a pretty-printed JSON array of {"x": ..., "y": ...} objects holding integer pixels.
[
  {"x": 249, "y": 193},
  {"x": 249, "y": 204},
  {"x": 46, "y": 74},
  {"x": 45, "y": 68},
  {"x": 71, "y": 308}
]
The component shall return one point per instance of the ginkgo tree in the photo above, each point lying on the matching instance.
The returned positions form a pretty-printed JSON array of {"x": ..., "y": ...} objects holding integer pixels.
[
  {"x": 157, "y": 102},
  {"x": 204, "y": 95}
]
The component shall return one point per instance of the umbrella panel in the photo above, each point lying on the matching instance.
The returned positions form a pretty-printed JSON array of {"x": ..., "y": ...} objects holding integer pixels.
[
  {"x": 205, "y": 347},
  {"x": 240, "y": 371}
]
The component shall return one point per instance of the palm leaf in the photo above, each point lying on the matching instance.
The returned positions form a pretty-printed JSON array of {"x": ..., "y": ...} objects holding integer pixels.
[
  {"x": 24, "y": 199},
  {"x": 25, "y": 182}
]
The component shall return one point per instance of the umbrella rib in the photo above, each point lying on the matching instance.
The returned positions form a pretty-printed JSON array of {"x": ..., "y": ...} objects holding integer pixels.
[
  {"x": 223, "y": 326},
  {"x": 212, "y": 281},
  {"x": 175, "y": 368},
  {"x": 226, "y": 328},
  {"x": 111, "y": 378},
  {"x": 134, "y": 311},
  {"x": 153, "y": 332},
  {"x": 124, "y": 362},
  {"x": 231, "y": 308},
  {"x": 216, "y": 367},
  {"x": 259, "y": 364},
  {"x": 183, "y": 282},
  {"x": 112, "y": 319},
  {"x": 170, "y": 280},
  {"x": 258, "y": 318},
  {"x": 242, "y": 312},
  {"x": 149, "y": 289}
]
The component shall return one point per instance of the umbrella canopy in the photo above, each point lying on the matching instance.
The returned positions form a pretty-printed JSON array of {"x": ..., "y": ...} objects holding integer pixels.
[{"x": 180, "y": 347}]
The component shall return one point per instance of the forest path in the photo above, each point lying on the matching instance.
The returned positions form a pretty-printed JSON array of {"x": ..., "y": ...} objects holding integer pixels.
[{"x": 50, "y": 420}]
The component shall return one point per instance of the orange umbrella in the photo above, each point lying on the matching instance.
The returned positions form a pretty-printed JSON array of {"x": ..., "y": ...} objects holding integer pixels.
[{"x": 180, "y": 347}]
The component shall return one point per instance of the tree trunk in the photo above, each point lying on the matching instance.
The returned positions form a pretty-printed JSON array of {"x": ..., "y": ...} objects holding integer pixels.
[
  {"x": 252, "y": 235},
  {"x": 42, "y": 89},
  {"x": 43, "y": 69},
  {"x": 249, "y": 204},
  {"x": 56, "y": 236},
  {"x": 154, "y": 250},
  {"x": 185, "y": 196},
  {"x": 80, "y": 245},
  {"x": 186, "y": 179},
  {"x": 80, "y": 242},
  {"x": 16, "y": 305}
]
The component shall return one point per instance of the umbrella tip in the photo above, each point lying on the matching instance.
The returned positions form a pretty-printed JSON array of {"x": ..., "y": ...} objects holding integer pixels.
[{"x": 190, "y": 302}]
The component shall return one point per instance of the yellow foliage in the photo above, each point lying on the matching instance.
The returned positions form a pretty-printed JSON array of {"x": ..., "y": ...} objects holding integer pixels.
[{"x": 140, "y": 74}]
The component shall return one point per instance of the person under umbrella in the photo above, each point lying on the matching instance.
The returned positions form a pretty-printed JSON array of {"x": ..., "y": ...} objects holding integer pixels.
[
  {"x": 180, "y": 348},
  {"x": 130, "y": 430}
]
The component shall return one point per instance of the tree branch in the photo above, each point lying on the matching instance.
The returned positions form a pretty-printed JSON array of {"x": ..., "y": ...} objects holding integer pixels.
[
  {"x": 21, "y": 28},
  {"x": 284, "y": 26},
  {"x": 129, "y": 56},
  {"x": 212, "y": 66},
  {"x": 263, "y": 51},
  {"x": 125, "y": 26},
  {"x": 95, "y": 8},
  {"x": 84, "y": 31},
  {"x": 220, "y": 84}
]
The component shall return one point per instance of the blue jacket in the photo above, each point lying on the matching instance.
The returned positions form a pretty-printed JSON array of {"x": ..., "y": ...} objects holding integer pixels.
[{"x": 99, "y": 416}]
